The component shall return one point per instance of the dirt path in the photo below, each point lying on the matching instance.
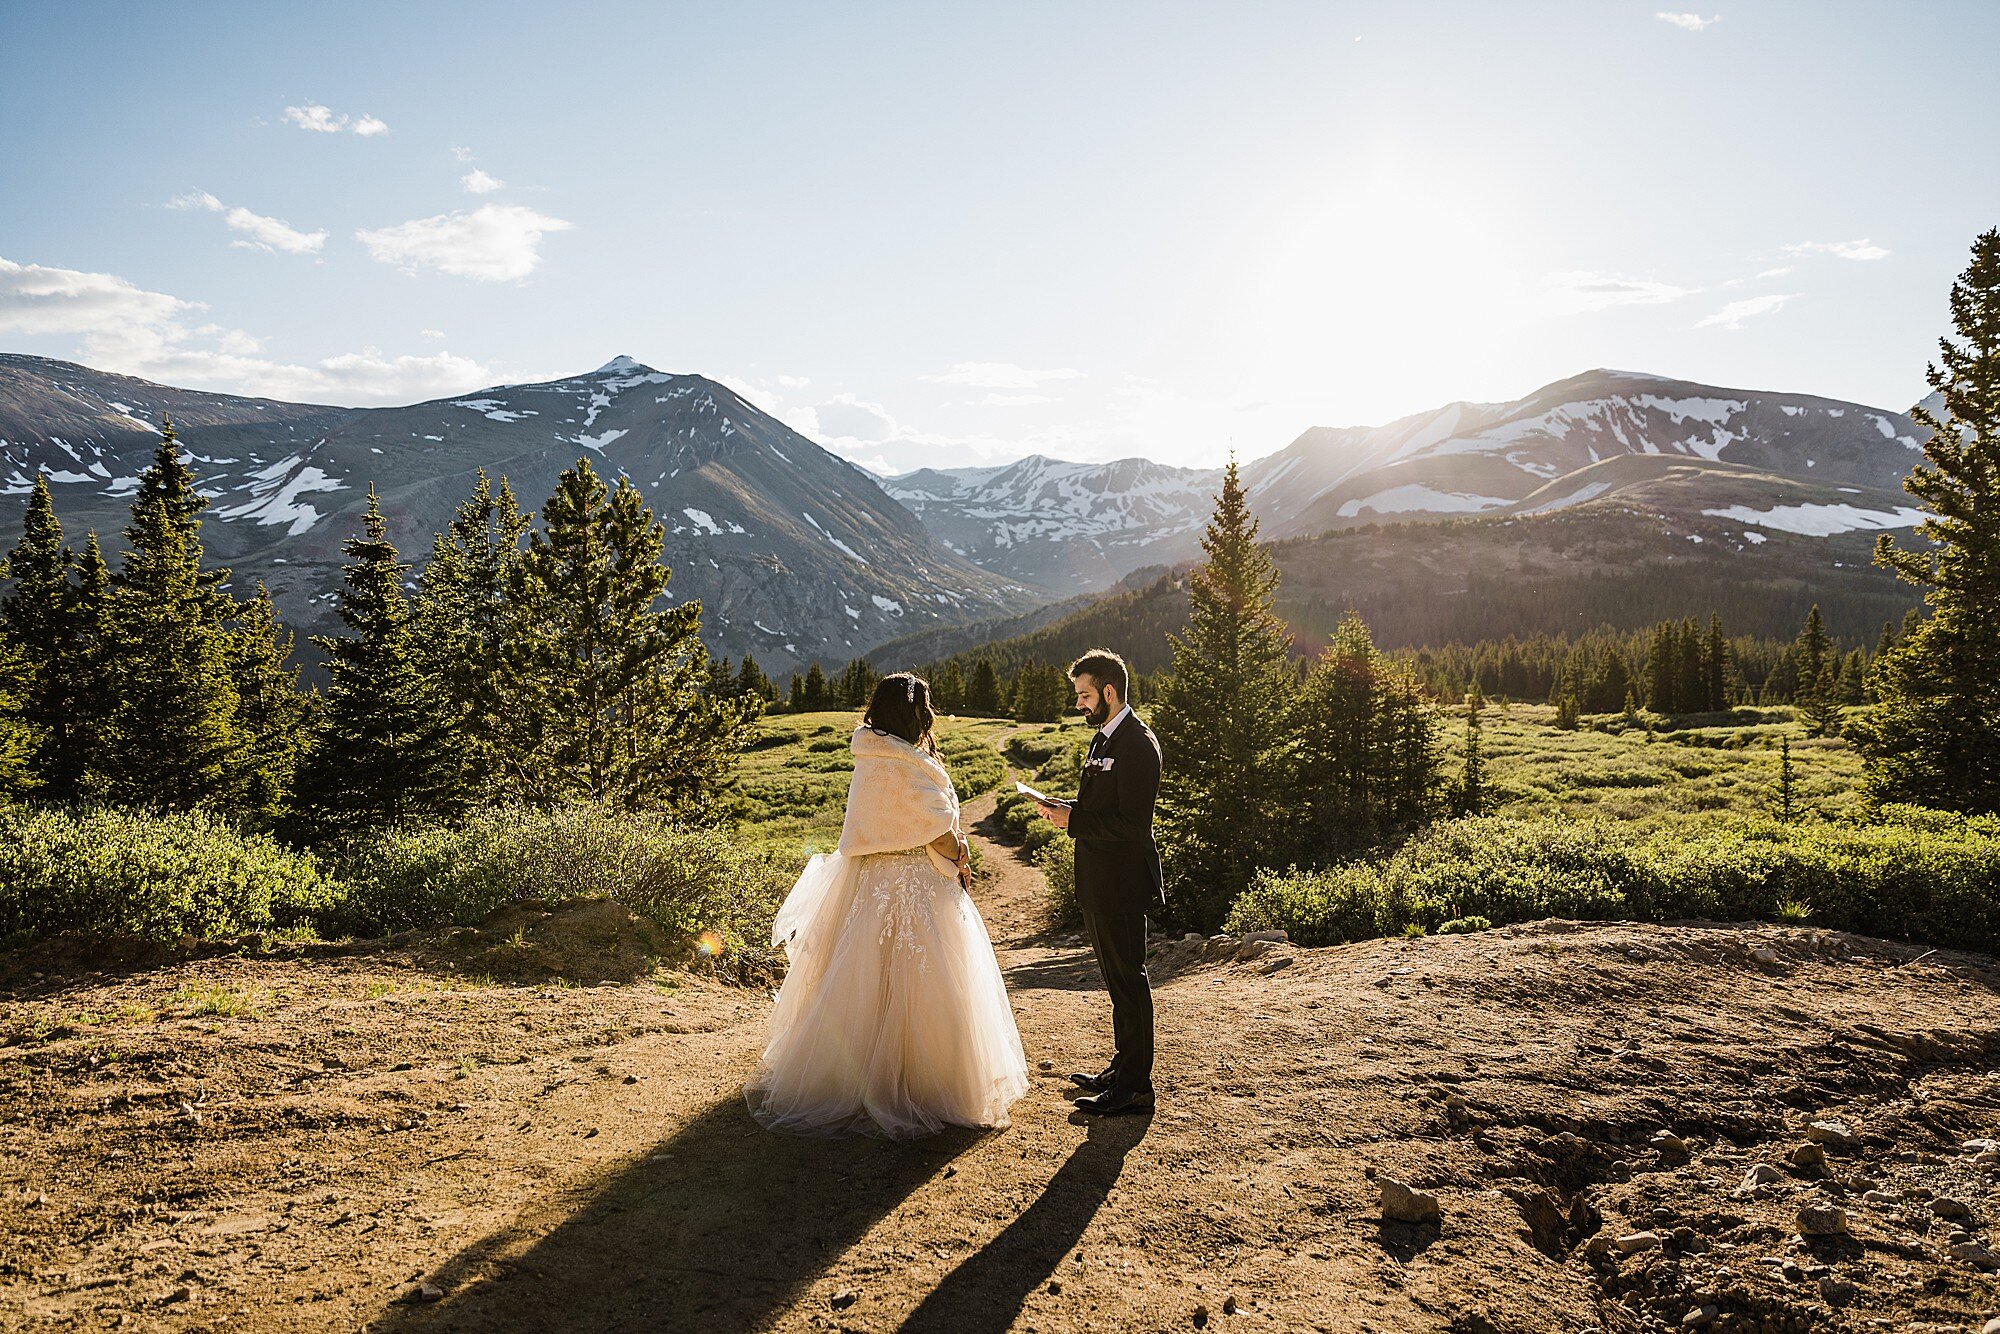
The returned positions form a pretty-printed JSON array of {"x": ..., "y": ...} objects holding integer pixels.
[{"x": 565, "y": 1158}]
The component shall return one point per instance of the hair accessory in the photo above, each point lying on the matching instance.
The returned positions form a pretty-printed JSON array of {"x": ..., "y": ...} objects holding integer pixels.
[{"x": 910, "y": 689}]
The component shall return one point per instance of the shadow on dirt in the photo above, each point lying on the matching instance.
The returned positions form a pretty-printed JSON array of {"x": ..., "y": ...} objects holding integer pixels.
[
  {"x": 720, "y": 1227},
  {"x": 724, "y": 1225},
  {"x": 986, "y": 1292}
]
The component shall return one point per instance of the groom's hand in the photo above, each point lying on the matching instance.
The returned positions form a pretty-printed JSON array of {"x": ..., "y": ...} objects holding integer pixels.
[{"x": 1055, "y": 815}]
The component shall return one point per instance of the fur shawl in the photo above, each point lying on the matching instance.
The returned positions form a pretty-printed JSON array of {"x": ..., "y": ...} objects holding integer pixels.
[{"x": 899, "y": 798}]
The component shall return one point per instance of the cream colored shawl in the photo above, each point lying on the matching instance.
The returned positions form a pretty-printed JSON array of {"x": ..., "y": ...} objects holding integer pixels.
[{"x": 899, "y": 798}]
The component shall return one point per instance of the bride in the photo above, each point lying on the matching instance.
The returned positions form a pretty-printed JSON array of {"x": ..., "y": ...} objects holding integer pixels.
[{"x": 893, "y": 1019}]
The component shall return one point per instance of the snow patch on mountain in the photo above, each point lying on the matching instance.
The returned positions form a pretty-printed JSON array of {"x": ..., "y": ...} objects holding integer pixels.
[
  {"x": 1418, "y": 497},
  {"x": 492, "y": 409},
  {"x": 275, "y": 492},
  {"x": 1821, "y": 520}
]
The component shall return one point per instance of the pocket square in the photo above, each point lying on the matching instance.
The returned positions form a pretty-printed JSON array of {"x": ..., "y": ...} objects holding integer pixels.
[{"x": 1104, "y": 763}]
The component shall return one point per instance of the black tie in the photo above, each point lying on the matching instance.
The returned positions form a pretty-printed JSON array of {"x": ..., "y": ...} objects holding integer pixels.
[{"x": 1097, "y": 740}]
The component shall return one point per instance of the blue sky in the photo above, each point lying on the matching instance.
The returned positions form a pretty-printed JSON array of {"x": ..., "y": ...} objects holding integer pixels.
[{"x": 945, "y": 234}]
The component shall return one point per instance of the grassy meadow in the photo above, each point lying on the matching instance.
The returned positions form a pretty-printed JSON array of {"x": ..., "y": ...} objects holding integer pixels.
[{"x": 1717, "y": 763}]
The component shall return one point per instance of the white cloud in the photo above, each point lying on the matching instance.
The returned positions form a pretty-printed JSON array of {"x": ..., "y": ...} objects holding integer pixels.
[
  {"x": 1732, "y": 315},
  {"x": 1691, "y": 22},
  {"x": 1776, "y": 273},
  {"x": 430, "y": 333},
  {"x": 494, "y": 242},
  {"x": 998, "y": 375},
  {"x": 479, "y": 183},
  {"x": 127, "y": 329},
  {"x": 257, "y": 231},
  {"x": 1581, "y": 291},
  {"x": 851, "y": 418},
  {"x": 461, "y": 153},
  {"x": 1858, "y": 250},
  {"x": 322, "y": 120},
  {"x": 1013, "y": 400}
]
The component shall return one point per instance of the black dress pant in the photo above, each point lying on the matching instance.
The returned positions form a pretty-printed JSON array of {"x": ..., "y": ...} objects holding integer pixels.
[{"x": 1118, "y": 938}]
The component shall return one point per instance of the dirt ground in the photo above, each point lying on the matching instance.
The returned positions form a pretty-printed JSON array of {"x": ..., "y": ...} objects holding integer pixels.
[{"x": 366, "y": 1140}]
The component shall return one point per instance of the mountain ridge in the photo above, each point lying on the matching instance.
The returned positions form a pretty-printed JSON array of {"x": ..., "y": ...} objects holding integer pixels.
[
  {"x": 1461, "y": 458},
  {"x": 795, "y": 552}
]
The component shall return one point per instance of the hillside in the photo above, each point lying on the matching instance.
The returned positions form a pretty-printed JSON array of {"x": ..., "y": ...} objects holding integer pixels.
[
  {"x": 1607, "y": 1114},
  {"x": 794, "y": 552},
  {"x": 1625, "y": 542},
  {"x": 1041, "y": 519},
  {"x": 1061, "y": 525}
]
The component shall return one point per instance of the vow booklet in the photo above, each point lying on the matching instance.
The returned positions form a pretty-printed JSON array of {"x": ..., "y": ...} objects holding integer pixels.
[{"x": 1047, "y": 801}]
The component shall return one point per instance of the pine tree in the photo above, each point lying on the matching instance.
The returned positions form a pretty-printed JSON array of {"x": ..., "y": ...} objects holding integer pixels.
[
  {"x": 1220, "y": 718},
  {"x": 948, "y": 688},
  {"x": 166, "y": 501},
  {"x": 1692, "y": 686},
  {"x": 270, "y": 710},
  {"x": 817, "y": 697},
  {"x": 41, "y": 616},
  {"x": 1362, "y": 752},
  {"x": 856, "y": 685},
  {"x": 1663, "y": 674},
  {"x": 385, "y": 750},
  {"x": 1810, "y": 652},
  {"x": 1568, "y": 713},
  {"x": 170, "y": 736},
  {"x": 460, "y": 619},
  {"x": 94, "y": 692},
  {"x": 1715, "y": 667},
  {"x": 1819, "y": 709},
  {"x": 796, "y": 696},
  {"x": 1472, "y": 778},
  {"x": 1850, "y": 684},
  {"x": 1884, "y": 646},
  {"x": 608, "y": 698},
  {"x": 982, "y": 696},
  {"x": 722, "y": 678},
  {"x": 20, "y": 740},
  {"x": 1935, "y": 736},
  {"x": 751, "y": 680}
]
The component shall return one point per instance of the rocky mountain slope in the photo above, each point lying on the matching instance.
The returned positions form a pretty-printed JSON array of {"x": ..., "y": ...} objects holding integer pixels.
[
  {"x": 794, "y": 552},
  {"x": 1039, "y": 518},
  {"x": 1065, "y": 526},
  {"x": 1626, "y": 542}
]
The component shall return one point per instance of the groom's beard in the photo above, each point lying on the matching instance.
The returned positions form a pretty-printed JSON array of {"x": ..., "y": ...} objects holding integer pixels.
[{"x": 1098, "y": 716}]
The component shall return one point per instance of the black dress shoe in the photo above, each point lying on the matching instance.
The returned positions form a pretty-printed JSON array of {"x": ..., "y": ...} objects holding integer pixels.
[
  {"x": 1117, "y": 1102},
  {"x": 1095, "y": 1083}
]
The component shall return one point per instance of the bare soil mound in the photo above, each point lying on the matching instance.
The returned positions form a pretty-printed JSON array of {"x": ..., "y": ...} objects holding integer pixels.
[{"x": 1611, "y": 1119}]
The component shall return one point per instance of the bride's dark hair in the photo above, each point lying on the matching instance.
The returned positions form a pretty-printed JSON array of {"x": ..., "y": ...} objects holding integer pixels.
[{"x": 902, "y": 707}]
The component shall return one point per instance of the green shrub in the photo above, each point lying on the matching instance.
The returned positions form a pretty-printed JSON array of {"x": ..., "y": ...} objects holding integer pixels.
[
  {"x": 158, "y": 877},
  {"x": 1464, "y": 925},
  {"x": 682, "y": 879},
  {"x": 1909, "y": 875},
  {"x": 1057, "y": 862}
]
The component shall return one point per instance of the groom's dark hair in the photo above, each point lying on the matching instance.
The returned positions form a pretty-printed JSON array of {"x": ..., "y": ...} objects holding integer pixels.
[{"x": 1106, "y": 668}]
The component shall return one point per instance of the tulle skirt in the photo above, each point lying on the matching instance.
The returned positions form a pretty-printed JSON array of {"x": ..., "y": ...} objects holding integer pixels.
[{"x": 893, "y": 1019}]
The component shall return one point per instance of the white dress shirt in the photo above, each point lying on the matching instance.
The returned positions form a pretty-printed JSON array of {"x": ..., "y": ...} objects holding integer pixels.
[{"x": 1111, "y": 723}]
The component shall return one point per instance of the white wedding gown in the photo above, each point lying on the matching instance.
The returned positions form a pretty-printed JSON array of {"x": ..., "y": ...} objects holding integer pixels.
[{"x": 893, "y": 1019}]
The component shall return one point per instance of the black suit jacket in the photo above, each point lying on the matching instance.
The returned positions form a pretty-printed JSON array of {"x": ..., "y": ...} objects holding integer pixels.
[{"x": 1117, "y": 858}]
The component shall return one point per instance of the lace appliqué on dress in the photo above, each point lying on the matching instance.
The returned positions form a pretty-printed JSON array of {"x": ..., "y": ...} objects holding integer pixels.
[{"x": 901, "y": 896}]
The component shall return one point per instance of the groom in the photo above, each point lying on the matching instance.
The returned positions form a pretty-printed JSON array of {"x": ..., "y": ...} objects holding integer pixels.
[{"x": 1117, "y": 872}]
